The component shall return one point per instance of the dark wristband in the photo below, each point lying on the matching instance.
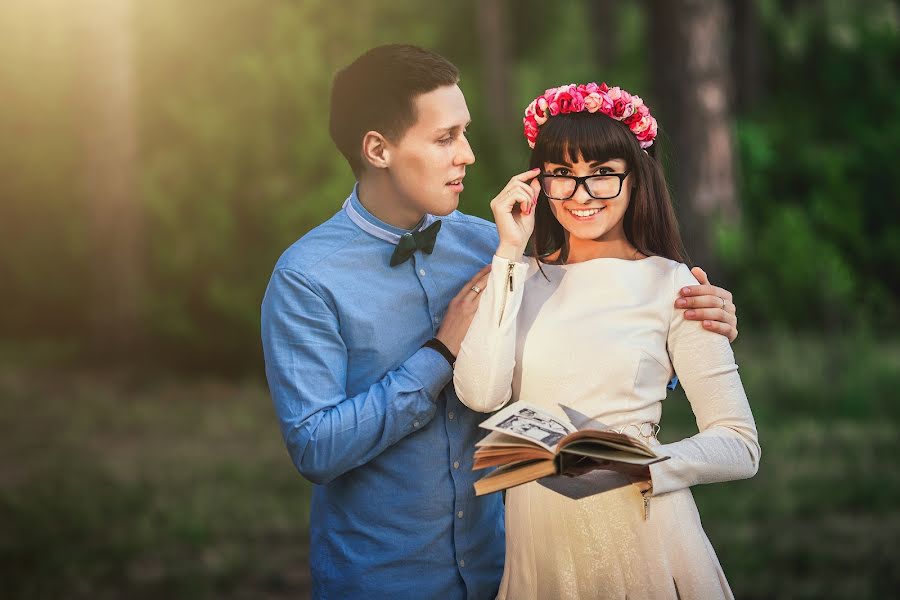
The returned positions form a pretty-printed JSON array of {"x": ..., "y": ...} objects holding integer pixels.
[{"x": 436, "y": 344}]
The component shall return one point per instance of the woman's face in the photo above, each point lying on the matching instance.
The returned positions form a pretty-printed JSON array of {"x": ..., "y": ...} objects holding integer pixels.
[{"x": 582, "y": 215}]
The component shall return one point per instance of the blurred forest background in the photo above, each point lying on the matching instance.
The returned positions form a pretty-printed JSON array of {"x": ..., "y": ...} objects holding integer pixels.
[{"x": 157, "y": 156}]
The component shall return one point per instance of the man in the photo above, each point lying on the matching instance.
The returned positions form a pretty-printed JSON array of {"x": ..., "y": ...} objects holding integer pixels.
[{"x": 361, "y": 322}]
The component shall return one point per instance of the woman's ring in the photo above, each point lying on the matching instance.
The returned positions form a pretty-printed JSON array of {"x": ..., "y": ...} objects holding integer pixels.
[
  {"x": 724, "y": 303},
  {"x": 476, "y": 289}
]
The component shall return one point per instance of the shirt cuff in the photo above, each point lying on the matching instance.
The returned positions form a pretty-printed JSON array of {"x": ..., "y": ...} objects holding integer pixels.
[{"x": 431, "y": 369}]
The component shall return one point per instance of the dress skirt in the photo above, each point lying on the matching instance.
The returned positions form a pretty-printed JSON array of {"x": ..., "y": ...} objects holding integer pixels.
[{"x": 560, "y": 546}]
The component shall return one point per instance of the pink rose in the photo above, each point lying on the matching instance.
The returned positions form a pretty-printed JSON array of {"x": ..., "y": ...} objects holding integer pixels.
[
  {"x": 614, "y": 93},
  {"x": 553, "y": 108},
  {"x": 607, "y": 104},
  {"x": 647, "y": 136},
  {"x": 540, "y": 111},
  {"x": 550, "y": 92},
  {"x": 622, "y": 109},
  {"x": 640, "y": 126},
  {"x": 568, "y": 100},
  {"x": 598, "y": 102},
  {"x": 589, "y": 88},
  {"x": 531, "y": 131},
  {"x": 639, "y": 113}
]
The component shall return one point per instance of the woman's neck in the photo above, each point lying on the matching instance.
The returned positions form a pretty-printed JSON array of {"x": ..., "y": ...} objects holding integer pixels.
[{"x": 581, "y": 250}]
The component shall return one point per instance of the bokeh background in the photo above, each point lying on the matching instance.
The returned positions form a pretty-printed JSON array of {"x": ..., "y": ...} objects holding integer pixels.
[{"x": 157, "y": 156}]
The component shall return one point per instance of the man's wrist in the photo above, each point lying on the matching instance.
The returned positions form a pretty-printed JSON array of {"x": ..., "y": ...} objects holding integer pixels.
[{"x": 439, "y": 346}]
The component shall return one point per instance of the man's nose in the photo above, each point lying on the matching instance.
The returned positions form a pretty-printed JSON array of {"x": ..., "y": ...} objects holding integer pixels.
[{"x": 466, "y": 156}]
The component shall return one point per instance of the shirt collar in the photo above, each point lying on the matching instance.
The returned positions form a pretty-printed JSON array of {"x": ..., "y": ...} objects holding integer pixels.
[{"x": 372, "y": 225}]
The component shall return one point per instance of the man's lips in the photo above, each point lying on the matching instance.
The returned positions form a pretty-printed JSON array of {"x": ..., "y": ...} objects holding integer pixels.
[{"x": 456, "y": 184}]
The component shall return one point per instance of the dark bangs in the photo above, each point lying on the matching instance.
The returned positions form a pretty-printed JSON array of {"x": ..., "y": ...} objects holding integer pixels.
[{"x": 594, "y": 137}]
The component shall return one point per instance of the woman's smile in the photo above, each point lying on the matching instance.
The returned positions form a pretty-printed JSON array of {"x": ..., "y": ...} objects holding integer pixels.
[{"x": 585, "y": 214}]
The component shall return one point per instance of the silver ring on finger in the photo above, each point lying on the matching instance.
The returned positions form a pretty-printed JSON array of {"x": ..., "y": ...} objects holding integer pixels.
[
  {"x": 724, "y": 303},
  {"x": 476, "y": 289}
]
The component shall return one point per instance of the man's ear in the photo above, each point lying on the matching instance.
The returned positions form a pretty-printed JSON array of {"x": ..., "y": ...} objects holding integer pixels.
[{"x": 375, "y": 150}]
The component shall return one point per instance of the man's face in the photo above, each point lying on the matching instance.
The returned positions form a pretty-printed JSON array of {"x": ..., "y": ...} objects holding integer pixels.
[{"x": 428, "y": 163}]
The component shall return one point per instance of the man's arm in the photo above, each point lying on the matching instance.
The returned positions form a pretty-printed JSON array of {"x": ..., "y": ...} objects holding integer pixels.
[
  {"x": 328, "y": 433},
  {"x": 709, "y": 303}
]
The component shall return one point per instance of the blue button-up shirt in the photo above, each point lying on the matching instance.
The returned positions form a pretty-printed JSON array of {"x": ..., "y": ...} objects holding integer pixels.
[{"x": 371, "y": 418}]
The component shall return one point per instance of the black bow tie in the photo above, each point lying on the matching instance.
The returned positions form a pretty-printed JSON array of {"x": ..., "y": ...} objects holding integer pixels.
[{"x": 417, "y": 240}]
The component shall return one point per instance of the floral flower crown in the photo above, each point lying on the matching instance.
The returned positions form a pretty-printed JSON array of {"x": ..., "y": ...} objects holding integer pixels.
[{"x": 615, "y": 103}]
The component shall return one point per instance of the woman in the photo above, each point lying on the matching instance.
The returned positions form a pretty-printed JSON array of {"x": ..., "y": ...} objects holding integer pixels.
[{"x": 586, "y": 322}]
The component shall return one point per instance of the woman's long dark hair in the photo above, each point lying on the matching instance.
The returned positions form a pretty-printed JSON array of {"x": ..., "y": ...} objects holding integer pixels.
[{"x": 650, "y": 223}]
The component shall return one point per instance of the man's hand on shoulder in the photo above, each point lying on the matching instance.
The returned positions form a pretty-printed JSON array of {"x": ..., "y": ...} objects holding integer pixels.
[
  {"x": 461, "y": 311},
  {"x": 709, "y": 303}
]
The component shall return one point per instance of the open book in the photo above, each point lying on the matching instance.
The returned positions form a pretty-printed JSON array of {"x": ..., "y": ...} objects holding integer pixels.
[{"x": 526, "y": 443}]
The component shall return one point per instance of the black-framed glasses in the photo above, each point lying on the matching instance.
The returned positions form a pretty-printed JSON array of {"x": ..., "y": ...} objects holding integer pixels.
[{"x": 599, "y": 187}]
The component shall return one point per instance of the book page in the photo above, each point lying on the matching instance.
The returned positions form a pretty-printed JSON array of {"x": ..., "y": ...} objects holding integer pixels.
[{"x": 530, "y": 424}]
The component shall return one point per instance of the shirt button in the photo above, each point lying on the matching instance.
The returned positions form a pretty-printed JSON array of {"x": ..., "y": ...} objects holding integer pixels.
[
  {"x": 456, "y": 464},
  {"x": 422, "y": 272},
  {"x": 415, "y": 423},
  {"x": 462, "y": 563},
  {"x": 460, "y": 514},
  {"x": 451, "y": 415}
]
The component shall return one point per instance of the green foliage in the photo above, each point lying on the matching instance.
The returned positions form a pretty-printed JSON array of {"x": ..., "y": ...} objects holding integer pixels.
[
  {"x": 818, "y": 180},
  {"x": 235, "y": 160}
]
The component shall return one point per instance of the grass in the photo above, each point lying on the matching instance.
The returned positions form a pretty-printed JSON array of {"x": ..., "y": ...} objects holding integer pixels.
[{"x": 116, "y": 485}]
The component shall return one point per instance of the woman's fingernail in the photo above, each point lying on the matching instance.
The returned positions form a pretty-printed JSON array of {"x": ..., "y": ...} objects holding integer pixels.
[
  {"x": 707, "y": 323},
  {"x": 686, "y": 291},
  {"x": 689, "y": 314},
  {"x": 681, "y": 303}
]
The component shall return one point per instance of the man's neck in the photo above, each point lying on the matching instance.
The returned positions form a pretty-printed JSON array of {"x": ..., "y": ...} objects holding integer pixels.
[{"x": 381, "y": 200}]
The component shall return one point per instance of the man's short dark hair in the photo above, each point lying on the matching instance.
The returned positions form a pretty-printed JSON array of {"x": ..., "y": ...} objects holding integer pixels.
[{"x": 376, "y": 92}]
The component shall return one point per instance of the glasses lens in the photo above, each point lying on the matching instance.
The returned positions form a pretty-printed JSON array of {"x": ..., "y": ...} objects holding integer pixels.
[
  {"x": 558, "y": 187},
  {"x": 603, "y": 186}
]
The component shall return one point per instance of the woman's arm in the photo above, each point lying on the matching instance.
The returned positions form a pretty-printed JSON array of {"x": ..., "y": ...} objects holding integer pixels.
[
  {"x": 727, "y": 446},
  {"x": 487, "y": 357}
]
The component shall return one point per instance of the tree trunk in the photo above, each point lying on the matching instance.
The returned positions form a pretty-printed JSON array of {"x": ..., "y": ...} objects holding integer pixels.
[
  {"x": 689, "y": 58},
  {"x": 604, "y": 38},
  {"x": 748, "y": 74},
  {"x": 493, "y": 25},
  {"x": 109, "y": 142}
]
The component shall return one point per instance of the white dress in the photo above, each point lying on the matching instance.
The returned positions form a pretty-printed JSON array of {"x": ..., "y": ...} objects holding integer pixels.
[{"x": 602, "y": 339}]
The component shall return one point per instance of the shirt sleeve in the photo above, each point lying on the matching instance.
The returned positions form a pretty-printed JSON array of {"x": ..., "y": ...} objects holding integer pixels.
[
  {"x": 487, "y": 357},
  {"x": 727, "y": 445},
  {"x": 327, "y": 432}
]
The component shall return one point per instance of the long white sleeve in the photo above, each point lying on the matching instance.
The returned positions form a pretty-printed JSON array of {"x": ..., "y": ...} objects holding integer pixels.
[
  {"x": 487, "y": 357},
  {"x": 727, "y": 446}
]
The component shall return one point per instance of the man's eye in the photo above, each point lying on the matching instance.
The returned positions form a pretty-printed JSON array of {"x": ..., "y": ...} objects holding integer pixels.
[{"x": 445, "y": 141}]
